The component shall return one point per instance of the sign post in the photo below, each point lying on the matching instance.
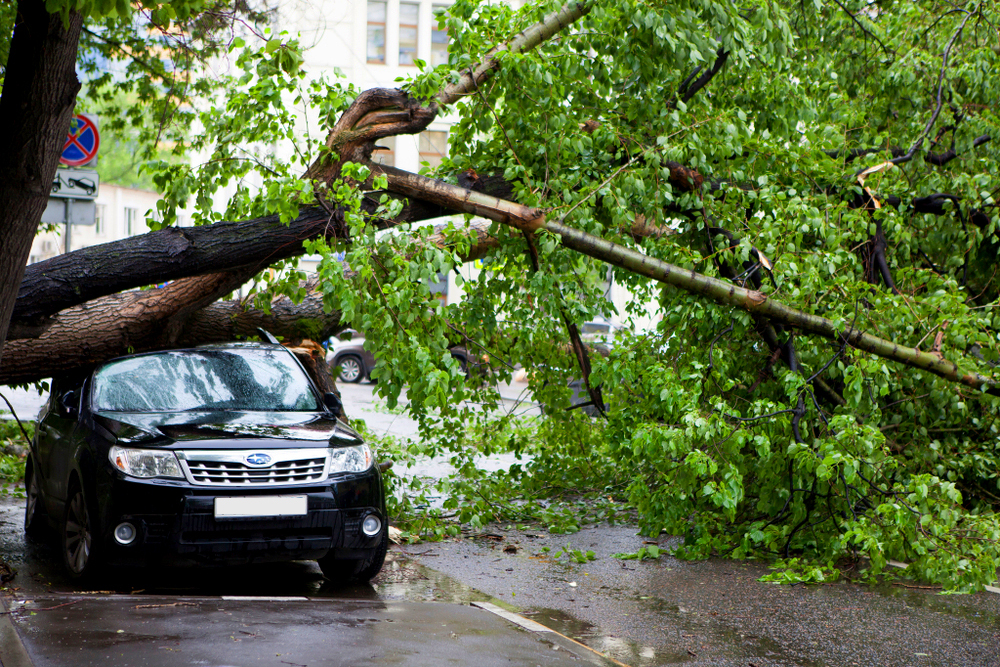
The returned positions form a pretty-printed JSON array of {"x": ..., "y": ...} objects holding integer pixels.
[{"x": 80, "y": 149}]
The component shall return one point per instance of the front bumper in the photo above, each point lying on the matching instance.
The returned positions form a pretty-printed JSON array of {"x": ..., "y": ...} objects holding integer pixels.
[{"x": 175, "y": 521}]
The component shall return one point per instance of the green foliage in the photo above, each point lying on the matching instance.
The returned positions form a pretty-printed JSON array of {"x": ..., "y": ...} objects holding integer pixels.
[
  {"x": 527, "y": 492},
  {"x": 11, "y": 434},
  {"x": 709, "y": 435},
  {"x": 796, "y": 571},
  {"x": 646, "y": 552},
  {"x": 575, "y": 555},
  {"x": 12, "y": 464}
]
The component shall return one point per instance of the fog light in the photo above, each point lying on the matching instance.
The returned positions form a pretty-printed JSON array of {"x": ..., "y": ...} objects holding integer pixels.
[
  {"x": 125, "y": 533},
  {"x": 371, "y": 525}
]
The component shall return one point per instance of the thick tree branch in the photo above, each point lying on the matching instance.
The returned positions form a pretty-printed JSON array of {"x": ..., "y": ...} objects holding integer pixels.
[
  {"x": 687, "y": 93},
  {"x": 936, "y": 159},
  {"x": 169, "y": 254},
  {"x": 526, "y": 40},
  {"x": 720, "y": 291},
  {"x": 136, "y": 322}
]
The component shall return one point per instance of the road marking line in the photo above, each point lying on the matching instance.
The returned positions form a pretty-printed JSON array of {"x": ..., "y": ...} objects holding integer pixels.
[
  {"x": 535, "y": 626},
  {"x": 262, "y": 598},
  {"x": 516, "y": 619}
]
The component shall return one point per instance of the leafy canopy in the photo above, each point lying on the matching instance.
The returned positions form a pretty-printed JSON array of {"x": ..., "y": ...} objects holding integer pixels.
[{"x": 747, "y": 439}]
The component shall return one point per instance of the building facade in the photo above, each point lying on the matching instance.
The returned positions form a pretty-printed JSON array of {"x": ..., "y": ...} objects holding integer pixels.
[{"x": 119, "y": 212}]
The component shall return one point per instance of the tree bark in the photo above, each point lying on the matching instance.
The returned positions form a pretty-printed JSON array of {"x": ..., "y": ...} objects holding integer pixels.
[
  {"x": 169, "y": 254},
  {"x": 136, "y": 322},
  {"x": 178, "y": 315},
  {"x": 39, "y": 92},
  {"x": 90, "y": 273}
]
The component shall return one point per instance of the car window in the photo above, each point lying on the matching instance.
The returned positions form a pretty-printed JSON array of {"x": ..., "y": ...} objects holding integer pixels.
[
  {"x": 244, "y": 379},
  {"x": 595, "y": 328}
]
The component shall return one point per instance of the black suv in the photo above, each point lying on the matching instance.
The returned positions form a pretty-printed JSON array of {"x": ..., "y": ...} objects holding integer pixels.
[{"x": 221, "y": 454}]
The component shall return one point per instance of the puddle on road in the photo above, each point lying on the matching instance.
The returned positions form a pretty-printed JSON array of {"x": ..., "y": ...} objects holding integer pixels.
[
  {"x": 623, "y": 650},
  {"x": 971, "y": 608},
  {"x": 402, "y": 578}
]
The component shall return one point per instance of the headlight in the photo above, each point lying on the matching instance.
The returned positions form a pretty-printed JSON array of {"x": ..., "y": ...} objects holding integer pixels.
[
  {"x": 350, "y": 459},
  {"x": 145, "y": 462}
]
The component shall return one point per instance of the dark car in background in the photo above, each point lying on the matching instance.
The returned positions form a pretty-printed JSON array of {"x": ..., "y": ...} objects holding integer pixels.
[
  {"x": 351, "y": 362},
  {"x": 221, "y": 454}
]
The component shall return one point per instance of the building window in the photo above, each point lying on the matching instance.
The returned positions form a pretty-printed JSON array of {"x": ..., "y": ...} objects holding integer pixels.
[
  {"x": 100, "y": 214},
  {"x": 439, "y": 42},
  {"x": 376, "y": 32},
  {"x": 433, "y": 147},
  {"x": 409, "y": 24},
  {"x": 131, "y": 221},
  {"x": 387, "y": 156}
]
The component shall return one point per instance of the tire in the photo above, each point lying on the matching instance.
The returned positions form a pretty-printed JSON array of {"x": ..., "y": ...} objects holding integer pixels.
[
  {"x": 362, "y": 570},
  {"x": 34, "y": 512},
  {"x": 81, "y": 547},
  {"x": 351, "y": 368}
]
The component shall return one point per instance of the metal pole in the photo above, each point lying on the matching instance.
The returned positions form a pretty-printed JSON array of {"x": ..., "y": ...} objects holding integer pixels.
[{"x": 67, "y": 210}]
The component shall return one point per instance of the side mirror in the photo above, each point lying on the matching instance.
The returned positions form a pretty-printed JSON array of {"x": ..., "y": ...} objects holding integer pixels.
[
  {"x": 70, "y": 402},
  {"x": 334, "y": 404}
]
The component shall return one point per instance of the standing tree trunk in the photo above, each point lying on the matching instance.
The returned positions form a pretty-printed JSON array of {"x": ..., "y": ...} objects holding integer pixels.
[{"x": 39, "y": 93}]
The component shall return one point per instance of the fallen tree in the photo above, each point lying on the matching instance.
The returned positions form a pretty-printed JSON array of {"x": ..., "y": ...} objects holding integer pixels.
[{"x": 874, "y": 284}]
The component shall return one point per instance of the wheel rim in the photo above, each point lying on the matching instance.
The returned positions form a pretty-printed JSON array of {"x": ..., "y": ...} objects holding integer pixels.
[
  {"x": 29, "y": 511},
  {"x": 350, "y": 369},
  {"x": 78, "y": 538}
]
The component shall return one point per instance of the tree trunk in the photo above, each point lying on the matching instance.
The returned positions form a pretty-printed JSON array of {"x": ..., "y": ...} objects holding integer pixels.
[
  {"x": 170, "y": 254},
  {"x": 178, "y": 315},
  {"x": 39, "y": 92},
  {"x": 137, "y": 322}
]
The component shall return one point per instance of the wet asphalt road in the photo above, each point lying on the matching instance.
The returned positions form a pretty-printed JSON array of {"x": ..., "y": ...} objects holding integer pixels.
[
  {"x": 275, "y": 614},
  {"x": 716, "y": 612},
  {"x": 666, "y": 612},
  {"x": 165, "y": 632},
  {"x": 416, "y": 611}
]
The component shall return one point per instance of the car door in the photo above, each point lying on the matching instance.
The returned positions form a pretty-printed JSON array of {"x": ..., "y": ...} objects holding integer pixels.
[{"x": 57, "y": 435}]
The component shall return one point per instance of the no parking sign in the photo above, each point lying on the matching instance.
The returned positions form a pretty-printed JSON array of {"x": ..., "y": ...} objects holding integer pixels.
[{"x": 82, "y": 142}]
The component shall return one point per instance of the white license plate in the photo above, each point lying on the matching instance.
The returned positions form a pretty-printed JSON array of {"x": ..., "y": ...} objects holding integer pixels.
[{"x": 237, "y": 507}]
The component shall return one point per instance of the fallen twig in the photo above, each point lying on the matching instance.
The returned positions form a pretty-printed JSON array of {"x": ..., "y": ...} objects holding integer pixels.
[{"x": 64, "y": 604}]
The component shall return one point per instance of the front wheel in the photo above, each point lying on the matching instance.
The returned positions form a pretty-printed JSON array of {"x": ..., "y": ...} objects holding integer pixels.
[
  {"x": 363, "y": 570},
  {"x": 80, "y": 546},
  {"x": 351, "y": 369}
]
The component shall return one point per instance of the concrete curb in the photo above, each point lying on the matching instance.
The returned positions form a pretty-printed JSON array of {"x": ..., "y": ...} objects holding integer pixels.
[{"x": 12, "y": 651}]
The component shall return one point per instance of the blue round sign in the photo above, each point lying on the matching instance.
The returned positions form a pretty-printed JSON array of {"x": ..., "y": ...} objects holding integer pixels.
[{"x": 82, "y": 142}]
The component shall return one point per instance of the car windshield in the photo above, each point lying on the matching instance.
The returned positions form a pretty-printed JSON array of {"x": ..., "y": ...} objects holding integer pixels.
[{"x": 220, "y": 379}]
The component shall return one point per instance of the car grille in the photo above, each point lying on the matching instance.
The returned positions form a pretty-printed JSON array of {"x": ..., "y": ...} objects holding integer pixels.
[{"x": 213, "y": 468}]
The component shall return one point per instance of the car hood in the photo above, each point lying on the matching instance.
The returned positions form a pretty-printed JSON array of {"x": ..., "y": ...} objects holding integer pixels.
[{"x": 229, "y": 429}]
